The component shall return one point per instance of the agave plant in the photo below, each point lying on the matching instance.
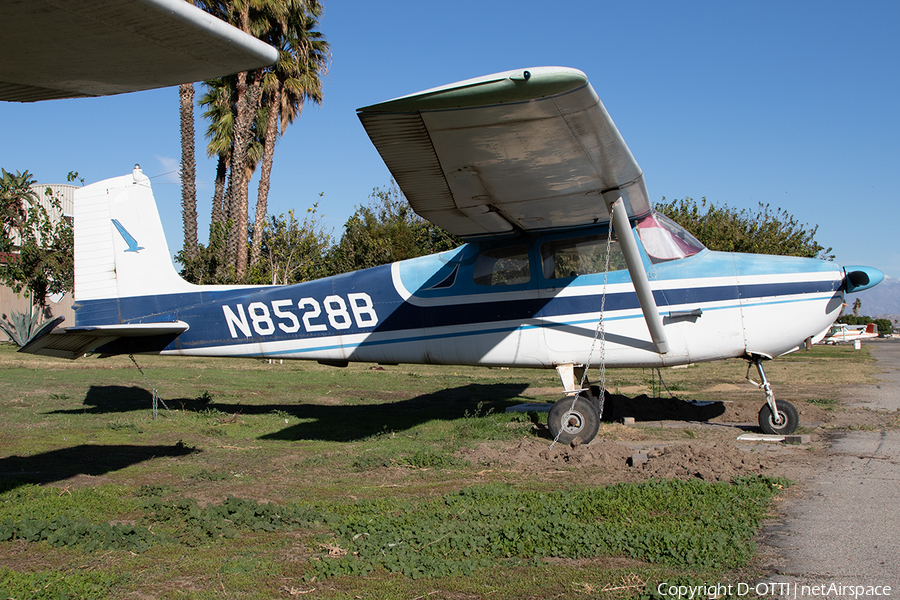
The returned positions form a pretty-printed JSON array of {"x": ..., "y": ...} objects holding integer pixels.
[{"x": 21, "y": 326}]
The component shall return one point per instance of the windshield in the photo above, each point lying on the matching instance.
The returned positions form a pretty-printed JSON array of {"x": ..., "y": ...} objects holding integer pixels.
[{"x": 664, "y": 239}]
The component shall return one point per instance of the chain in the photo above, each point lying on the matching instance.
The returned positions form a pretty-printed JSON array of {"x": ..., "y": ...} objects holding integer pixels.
[
  {"x": 156, "y": 398},
  {"x": 599, "y": 333}
]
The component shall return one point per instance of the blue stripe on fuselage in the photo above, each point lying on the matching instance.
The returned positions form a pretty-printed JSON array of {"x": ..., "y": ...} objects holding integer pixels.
[{"x": 204, "y": 313}]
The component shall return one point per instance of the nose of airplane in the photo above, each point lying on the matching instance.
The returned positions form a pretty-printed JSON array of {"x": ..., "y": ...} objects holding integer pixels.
[{"x": 858, "y": 278}]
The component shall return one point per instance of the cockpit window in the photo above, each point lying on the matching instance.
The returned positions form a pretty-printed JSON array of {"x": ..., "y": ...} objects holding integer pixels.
[
  {"x": 579, "y": 256},
  {"x": 664, "y": 239},
  {"x": 502, "y": 266}
]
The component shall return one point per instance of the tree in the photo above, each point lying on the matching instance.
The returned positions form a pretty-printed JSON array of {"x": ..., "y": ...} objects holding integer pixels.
[
  {"x": 37, "y": 247},
  {"x": 292, "y": 251},
  {"x": 218, "y": 104},
  {"x": 294, "y": 80},
  {"x": 245, "y": 109},
  {"x": 731, "y": 230},
  {"x": 385, "y": 231},
  {"x": 206, "y": 266},
  {"x": 188, "y": 168}
]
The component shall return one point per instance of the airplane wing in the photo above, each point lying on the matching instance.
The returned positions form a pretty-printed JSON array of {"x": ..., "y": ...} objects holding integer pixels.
[
  {"x": 72, "y": 342},
  {"x": 524, "y": 150},
  {"x": 74, "y": 48}
]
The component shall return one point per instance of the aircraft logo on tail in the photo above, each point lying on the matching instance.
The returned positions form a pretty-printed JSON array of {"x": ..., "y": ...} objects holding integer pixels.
[{"x": 132, "y": 243}]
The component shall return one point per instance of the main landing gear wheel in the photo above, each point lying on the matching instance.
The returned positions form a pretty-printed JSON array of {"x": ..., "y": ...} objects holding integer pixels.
[
  {"x": 784, "y": 423},
  {"x": 570, "y": 422}
]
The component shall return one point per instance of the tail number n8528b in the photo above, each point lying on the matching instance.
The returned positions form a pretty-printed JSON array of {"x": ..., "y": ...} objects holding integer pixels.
[{"x": 264, "y": 317}]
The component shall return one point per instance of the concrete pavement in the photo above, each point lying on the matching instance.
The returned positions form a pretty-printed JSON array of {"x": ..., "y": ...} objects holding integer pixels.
[{"x": 843, "y": 535}]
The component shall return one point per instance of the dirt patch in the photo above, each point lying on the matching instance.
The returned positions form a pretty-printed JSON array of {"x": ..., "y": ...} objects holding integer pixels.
[
  {"x": 710, "y": 462},
  {"x": 719, "y": 462},
  {"x": 533, "y": 455}
]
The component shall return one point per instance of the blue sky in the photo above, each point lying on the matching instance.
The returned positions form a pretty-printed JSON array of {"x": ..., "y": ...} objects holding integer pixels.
[{"x": 795, "y": 104}]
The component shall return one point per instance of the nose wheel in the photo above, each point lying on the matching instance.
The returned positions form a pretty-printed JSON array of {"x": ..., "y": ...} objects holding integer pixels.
[
  {"x": 782, "y": 422},
  {"x": 776, "y": 417}
]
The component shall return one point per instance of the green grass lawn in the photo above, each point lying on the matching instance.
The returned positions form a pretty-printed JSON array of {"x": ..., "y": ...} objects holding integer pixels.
[{"x": 261, "y": 480}]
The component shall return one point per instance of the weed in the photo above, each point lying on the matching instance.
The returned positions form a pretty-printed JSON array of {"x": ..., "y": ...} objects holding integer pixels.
[
  {"x": 430, "y": 459},
  {"x": 685, "y": 524},
  {"x": 120, "y": 425},
  {"x": 56, "y": 584},
  {"x": 372, "y": 461},
  {"x": 824, "y": 403},
  {"x": 205, "y": 475},
  {"x": 313, "y": 461}
]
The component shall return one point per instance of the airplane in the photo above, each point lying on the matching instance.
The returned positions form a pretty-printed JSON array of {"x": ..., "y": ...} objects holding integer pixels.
[
  {"x": 528, "y": 168},
  {"x": 840, "y": 333}
]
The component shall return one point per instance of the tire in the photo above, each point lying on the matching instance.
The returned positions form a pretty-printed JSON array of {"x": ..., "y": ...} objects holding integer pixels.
[
  {"x": 571, "y": 422},
  {"x": 768, "y": 424}
]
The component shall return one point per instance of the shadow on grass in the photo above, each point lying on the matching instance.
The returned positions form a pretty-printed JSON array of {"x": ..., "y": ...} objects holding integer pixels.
[
  {"x": 108, "y": 399},
  {"x": 337, "y": 422},
  {"x": 343, "y": 422},
  {"x": 646, "y": 408},
  {"x": 86, "y": 459}
]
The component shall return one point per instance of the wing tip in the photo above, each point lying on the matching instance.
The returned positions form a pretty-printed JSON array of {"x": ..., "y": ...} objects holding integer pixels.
[{"x": 518, "y": 85}]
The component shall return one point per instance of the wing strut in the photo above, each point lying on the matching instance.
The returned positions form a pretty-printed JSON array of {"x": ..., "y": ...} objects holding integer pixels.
[{"x": 632, "y": 256}]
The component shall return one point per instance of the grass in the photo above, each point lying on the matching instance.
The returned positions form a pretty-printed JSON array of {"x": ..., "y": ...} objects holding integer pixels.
[{"x": 273, "y": 480}]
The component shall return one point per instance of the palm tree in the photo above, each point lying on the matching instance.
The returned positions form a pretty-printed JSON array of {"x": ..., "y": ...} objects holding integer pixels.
[
  {"x": 219, "y": 112},
  {"x": 188, "y": 169},
  {"x": 245, "y": 109},
  {"x": 294, "y": 80}
]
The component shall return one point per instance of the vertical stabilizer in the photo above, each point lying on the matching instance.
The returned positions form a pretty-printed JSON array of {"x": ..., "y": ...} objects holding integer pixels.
[{"x": 120, "y": 246}]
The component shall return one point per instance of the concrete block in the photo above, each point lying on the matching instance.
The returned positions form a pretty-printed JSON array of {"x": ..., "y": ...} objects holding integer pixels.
[
  {"x": 637, "y": 459},
  {"x": 628, "y": 420}
]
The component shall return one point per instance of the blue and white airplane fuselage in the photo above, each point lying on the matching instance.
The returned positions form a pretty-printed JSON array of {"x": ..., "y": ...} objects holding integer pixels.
[
  {"x": 528, "y": 167},
  {"x": 713, "y": 305}
]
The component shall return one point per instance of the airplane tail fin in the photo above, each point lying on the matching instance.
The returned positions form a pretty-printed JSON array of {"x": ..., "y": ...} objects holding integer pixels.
[
  {"x": 123, "y": 271},
  {"x": 120, "y": 246}
]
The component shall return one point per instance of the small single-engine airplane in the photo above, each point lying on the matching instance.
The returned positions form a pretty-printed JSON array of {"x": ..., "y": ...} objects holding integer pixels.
[
  {"x": 839, "y": 333},
  {"x": 529, "y": 169}
]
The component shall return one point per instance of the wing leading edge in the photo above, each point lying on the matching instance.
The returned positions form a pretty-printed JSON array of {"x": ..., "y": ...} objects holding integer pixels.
[{"x": 526, "y": 150}]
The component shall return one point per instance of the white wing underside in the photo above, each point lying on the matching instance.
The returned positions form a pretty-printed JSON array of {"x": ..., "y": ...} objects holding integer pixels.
[
  {"x": 507, "y": 152},
  {"x": 71, "y": 48}
]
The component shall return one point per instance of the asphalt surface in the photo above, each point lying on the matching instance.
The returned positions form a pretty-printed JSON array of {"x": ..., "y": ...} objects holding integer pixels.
[{"x": 843, "y": 535}]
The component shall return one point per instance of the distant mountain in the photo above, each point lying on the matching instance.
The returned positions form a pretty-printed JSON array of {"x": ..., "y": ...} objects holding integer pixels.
[{"x": 883, "y": 300}]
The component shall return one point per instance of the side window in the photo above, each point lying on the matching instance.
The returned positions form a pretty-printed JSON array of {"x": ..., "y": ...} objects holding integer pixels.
[
  {"x": 664, "y": 239},
  {"x": 579, "y": 256},
  {"x": 502, "y": 266}
]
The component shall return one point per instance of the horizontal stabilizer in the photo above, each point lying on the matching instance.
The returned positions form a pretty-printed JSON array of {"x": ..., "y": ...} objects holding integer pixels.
[{"x": 72, "y": 342}]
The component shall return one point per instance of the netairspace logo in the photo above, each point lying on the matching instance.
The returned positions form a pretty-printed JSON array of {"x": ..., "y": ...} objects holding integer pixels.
[{"x": 789, "y": 590}]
